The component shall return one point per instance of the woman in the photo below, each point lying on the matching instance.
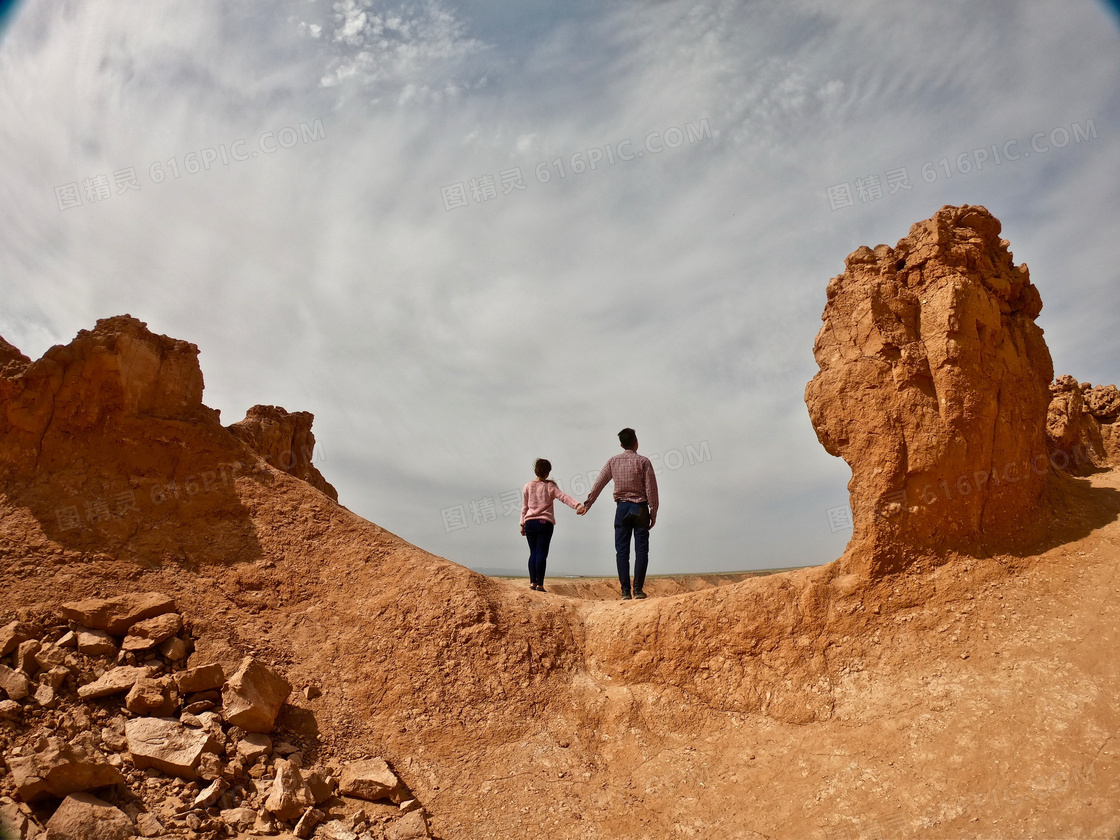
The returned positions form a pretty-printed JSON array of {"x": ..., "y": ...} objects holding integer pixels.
[{"x": 538, "y": 521}]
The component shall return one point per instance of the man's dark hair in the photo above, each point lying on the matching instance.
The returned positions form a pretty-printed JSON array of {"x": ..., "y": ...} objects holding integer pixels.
[
  {"x": 627, "y": 437},
  {"x": 542, "y": 468}
]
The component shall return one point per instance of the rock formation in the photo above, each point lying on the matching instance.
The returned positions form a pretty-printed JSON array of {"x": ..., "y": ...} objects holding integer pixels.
[
  {"x": 933, "y": 386},
  {"x": 285, "y": 441},
  {"x": 1083, "y": 425},
  {"x": 107, "y": 442}
]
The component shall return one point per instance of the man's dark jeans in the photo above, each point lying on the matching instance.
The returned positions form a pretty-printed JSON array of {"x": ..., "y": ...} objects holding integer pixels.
[
  {"x": 539, "y": 534},
  {"x": 622, "y": 532}
]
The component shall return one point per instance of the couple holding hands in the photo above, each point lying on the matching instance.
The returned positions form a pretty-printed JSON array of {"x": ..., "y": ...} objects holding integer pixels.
[{"x": 635, "y": 492}]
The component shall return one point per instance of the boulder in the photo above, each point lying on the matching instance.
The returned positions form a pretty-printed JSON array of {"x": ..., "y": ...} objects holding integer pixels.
[
  {"x": 152, "y": 697},
  {"x": 116, "y": 681},
  {"x": 174, "y": 648},
  {"x": 11, "y": 636},
  {"x": 117, "y": 615},
  {"x": 335, "y": 830},
  {"x": 412, "y": 826},
  {"x": 320, "y": 783},
  {"x": 50, "y": 656},
  {"x": 934, "y": 387},
  {"x": 253, "y": 696},
  {"x": 61, "y": 768},
  {"x": 146, "y": 634},
  {"x": 10, "y": 710},
  {"x": 201, "y": 678},
  {"x": 14, "y": 683},
  {"x": 253, "y": 746},
  {"x": 148, "y": 825},
  {"x": 14, "y": 822},
  {"x": 210, "y": 794},
  {"x": 95, "y": 642},
  {"x": 45, "y": 696},
  {"x": 289, "y": 795},
  {"x": 371, "y": 779},
  {"x": 167, "y": 745},
  {"x": 25, "y": 656},
  {"x": 306, "y": 825},
  {"x": 240, "y": 819},
  {"x": 85, "y": 817}
]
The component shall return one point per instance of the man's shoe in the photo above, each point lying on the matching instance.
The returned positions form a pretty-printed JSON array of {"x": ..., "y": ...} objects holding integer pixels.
[
  {"x": 639, "y": 594},
  {"x": 626, "y": 596}
]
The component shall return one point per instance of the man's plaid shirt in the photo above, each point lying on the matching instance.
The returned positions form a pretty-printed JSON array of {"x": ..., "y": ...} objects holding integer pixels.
[{"x": 633, "y": 477}]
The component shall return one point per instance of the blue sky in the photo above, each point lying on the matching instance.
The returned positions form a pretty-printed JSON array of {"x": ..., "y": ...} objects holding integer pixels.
[{"x": 313, "y": 193}]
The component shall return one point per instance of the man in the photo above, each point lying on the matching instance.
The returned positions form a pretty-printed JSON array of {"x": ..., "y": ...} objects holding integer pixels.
[{"x": 635, "y": 491}]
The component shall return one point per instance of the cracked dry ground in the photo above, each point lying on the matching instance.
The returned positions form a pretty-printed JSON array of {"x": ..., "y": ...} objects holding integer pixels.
[{"x": 976, "y": 698}]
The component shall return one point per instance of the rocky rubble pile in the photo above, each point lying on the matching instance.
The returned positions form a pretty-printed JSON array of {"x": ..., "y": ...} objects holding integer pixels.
[{"x": 112, "y": 726}]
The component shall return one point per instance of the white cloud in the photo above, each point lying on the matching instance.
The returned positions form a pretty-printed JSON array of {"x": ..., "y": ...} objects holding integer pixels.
[{"x": 678, "y": 292}]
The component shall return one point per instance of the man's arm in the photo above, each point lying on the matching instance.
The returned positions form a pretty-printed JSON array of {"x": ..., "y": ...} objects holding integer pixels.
[
  {"x": 651, "y": 492},
  {"x": 600, "y": 483}
]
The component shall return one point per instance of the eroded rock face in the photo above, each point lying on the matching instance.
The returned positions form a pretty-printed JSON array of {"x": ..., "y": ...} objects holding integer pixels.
[
  {"x": 117, "y": 370},
  {"x": 934, "y": 387},
  {"x": 1083, "y": 425},
  {"x": 285, "y": 441}
]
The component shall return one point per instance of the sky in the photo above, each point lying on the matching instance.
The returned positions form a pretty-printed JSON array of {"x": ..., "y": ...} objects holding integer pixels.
[{"x": 466, "y": 235}]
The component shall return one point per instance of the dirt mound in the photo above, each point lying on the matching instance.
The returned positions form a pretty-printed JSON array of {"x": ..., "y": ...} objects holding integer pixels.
[{"x": 933, "y": 386}]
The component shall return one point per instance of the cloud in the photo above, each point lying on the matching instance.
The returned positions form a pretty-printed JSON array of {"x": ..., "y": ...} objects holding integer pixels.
[{"x": 678, "y": 291}]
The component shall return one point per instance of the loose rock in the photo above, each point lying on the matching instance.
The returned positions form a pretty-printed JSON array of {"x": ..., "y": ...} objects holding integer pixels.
[
  {"x": 371, "y": 779},
  {"x": 61, "y": 768},
  {"x": 116, "y": 615},
  {"x": 116, "y": 681},
  {"x": 167, "y": 745},
  {"x": 85, "y": 817},
  {"x": 253, "y": 696}
]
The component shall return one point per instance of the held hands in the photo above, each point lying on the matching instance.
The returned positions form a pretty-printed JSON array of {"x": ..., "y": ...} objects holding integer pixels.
[{"x": 580, "y": 509}]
